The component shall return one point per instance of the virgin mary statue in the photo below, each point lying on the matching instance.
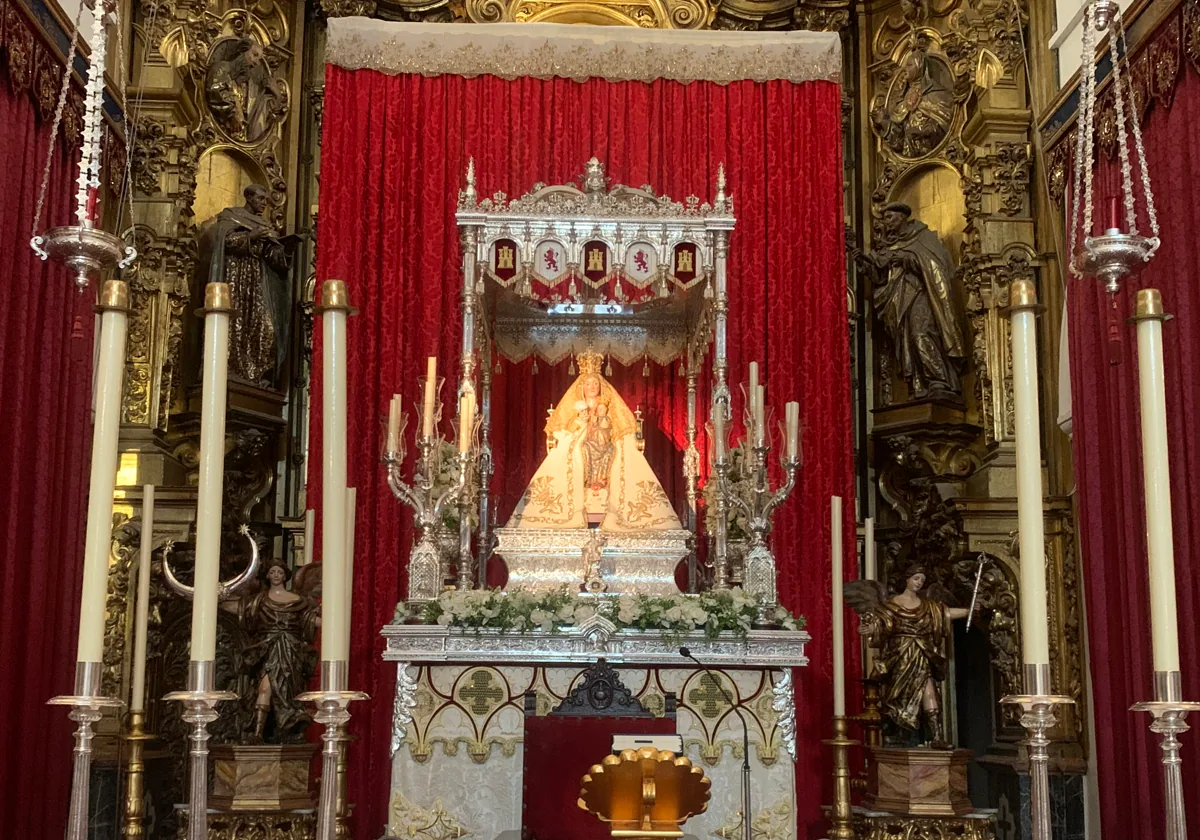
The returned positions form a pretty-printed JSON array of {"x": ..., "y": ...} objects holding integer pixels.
[{"x": 593, "y": 473}]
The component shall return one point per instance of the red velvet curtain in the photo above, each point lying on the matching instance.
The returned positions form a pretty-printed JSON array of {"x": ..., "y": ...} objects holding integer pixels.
[
  {"x": 45, "y": 368},
  {"x": 1108, "y": 468},
  {"x": 394, "y": 155}
]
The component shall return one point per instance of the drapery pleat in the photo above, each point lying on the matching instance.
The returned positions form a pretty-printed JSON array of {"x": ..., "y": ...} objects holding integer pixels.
[
  {"x": 1108, "y": 469},
  {"x": 45, "y": 368},
  {"x": 394, "y": 155}
]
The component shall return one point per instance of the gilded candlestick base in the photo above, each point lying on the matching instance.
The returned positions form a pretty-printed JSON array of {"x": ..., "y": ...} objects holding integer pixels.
[
  {"x": 841, "y": 818},
  {"x": 135, "y": 776},
  {"x": 1168, "y": 712},
  {"x": 333, "y": 712},
  {"x": 87, "y": 707},
  {"x": 1038, "y": 718},
  {"x": 200, "y": 709}
]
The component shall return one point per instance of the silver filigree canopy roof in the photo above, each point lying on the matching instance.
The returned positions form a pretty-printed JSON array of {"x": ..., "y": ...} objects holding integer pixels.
[{"x": 592, "y": 198}]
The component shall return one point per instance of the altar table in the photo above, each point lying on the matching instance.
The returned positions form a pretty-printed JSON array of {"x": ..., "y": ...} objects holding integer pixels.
[{"x": 458, "y": 719}]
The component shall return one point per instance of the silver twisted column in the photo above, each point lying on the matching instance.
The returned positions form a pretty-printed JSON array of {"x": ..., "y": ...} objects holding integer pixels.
[
  {"x": 1168, "y": 711},
  {"x": 332, "y": 702},
  {"x": 200, "y": 709},
  {"x": 1038, "y": 718},
  {"x": 87, "y": 707}
]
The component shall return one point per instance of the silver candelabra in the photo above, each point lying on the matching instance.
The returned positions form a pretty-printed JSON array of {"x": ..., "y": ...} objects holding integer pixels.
[
  {"x": 758, "y": 505},
  {"x": 428, "y": 566},
  {"x": 756, "y": 500}
]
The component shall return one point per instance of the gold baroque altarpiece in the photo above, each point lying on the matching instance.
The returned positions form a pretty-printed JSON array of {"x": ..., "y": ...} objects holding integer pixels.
[{"x": 970, "y": 177}]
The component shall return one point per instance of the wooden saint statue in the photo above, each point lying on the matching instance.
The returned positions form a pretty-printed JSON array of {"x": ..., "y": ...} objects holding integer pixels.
[
  {"x": 910, "y": 630},
  {"x": 241, "y": 247},
  {"x": 917, "y": 303}
]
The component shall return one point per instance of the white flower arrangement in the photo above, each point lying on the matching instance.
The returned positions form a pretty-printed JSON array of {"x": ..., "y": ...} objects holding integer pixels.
[{"x": 730, "y": 610}]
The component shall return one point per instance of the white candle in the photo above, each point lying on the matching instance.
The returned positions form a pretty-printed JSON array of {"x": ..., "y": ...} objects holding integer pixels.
[
  {"x": 792, "y": 422},
  {"x": 1035, "y": 642},
  {"x": 310, "y": 528},
  {"x": 870, "y": 570},
  {"x": 393, "y": 428},
  {"x": 1160, "y": 549},
  {"x": 209, "y": 492},
  {"x": 839, "y": 643},
  {"x": 466, "y": 420},
  {"x": 137, "y": 700},
  {"x": 334, "y": 638},
  {"x": 430, "y": 396},
  {"x": 718, "y": 418},
  {"x": 110, "y": 368},
  {"x": 351, "y": 513}
]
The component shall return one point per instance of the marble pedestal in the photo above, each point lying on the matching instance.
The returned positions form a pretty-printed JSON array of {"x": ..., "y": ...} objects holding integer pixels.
[
  {"x": 918, "y": 782},
  {"x": 261, "y": 777}
]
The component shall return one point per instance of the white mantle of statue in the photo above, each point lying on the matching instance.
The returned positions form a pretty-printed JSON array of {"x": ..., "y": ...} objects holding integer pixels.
[{"x": 459, "y": 710}]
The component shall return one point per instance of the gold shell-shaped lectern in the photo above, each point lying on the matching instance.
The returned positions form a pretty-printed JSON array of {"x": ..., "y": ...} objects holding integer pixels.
[{"x": 645, "y": 793}]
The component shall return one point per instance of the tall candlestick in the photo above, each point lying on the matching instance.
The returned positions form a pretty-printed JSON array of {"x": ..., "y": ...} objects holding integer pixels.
[
  {"x": 839, "y": 642},
  {"x": 1035, "y": 641},
  {"x": 430, "y": 396},
  {"x": 870, "y": 570},
  {"x": 351, "y": 513},
  {"x": 335, "y": 307},
  {"x": 218, "y": 307},
  {"x": 110, "y": 368},
  {"x": 1156, "y": 469},
  {"x": 137, "y": 700},
  {"x": 310, "y": 530}
]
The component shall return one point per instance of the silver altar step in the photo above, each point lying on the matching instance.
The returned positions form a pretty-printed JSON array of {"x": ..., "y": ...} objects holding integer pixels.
[{"x": 594, "y": 638}]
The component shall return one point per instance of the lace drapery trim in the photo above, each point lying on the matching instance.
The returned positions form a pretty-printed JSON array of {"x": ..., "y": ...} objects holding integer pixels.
[{"x": 546, "y": 50}]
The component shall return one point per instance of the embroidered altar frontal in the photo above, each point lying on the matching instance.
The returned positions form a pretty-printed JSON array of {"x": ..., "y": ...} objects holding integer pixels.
[{"x": 459, "y": 727}]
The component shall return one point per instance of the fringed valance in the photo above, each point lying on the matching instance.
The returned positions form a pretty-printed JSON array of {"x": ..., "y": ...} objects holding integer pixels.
[{"x": 545, "y": 50}]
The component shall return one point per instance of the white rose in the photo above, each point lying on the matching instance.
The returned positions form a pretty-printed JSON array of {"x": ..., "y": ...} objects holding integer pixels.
[
  {"x": 583, "y": 612},
  {"x": 673, "y": 614},
  {"x": 566, "y": 612},
  {"x": 444, "y": 619}
]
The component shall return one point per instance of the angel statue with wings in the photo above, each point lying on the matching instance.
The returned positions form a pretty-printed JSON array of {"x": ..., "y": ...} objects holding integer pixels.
[{"x": 910, "y": 630}]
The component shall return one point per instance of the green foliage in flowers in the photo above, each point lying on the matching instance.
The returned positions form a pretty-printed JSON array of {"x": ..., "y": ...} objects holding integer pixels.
[
  {"x": 741, "y": 484},
  {"x": 713, "y": 613}
]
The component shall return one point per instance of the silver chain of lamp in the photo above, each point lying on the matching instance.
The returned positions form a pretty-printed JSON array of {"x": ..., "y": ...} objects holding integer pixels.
[{"x": 1114, "y": 254}]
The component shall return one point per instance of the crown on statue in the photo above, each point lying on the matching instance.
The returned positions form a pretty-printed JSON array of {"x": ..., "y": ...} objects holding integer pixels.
[{"x": 589, "y": 361}]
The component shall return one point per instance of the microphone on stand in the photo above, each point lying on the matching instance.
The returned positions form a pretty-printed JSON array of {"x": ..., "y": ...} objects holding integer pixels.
[{"x": 737, "y": 708}]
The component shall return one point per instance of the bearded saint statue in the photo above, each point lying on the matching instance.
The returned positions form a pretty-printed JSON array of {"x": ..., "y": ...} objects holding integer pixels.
[
  {"x": 593, "y": 473},
  {"x": 240, "y": 247},
  {"x": 910, "y": 630},
  {"x": 916, "y": 301}
]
